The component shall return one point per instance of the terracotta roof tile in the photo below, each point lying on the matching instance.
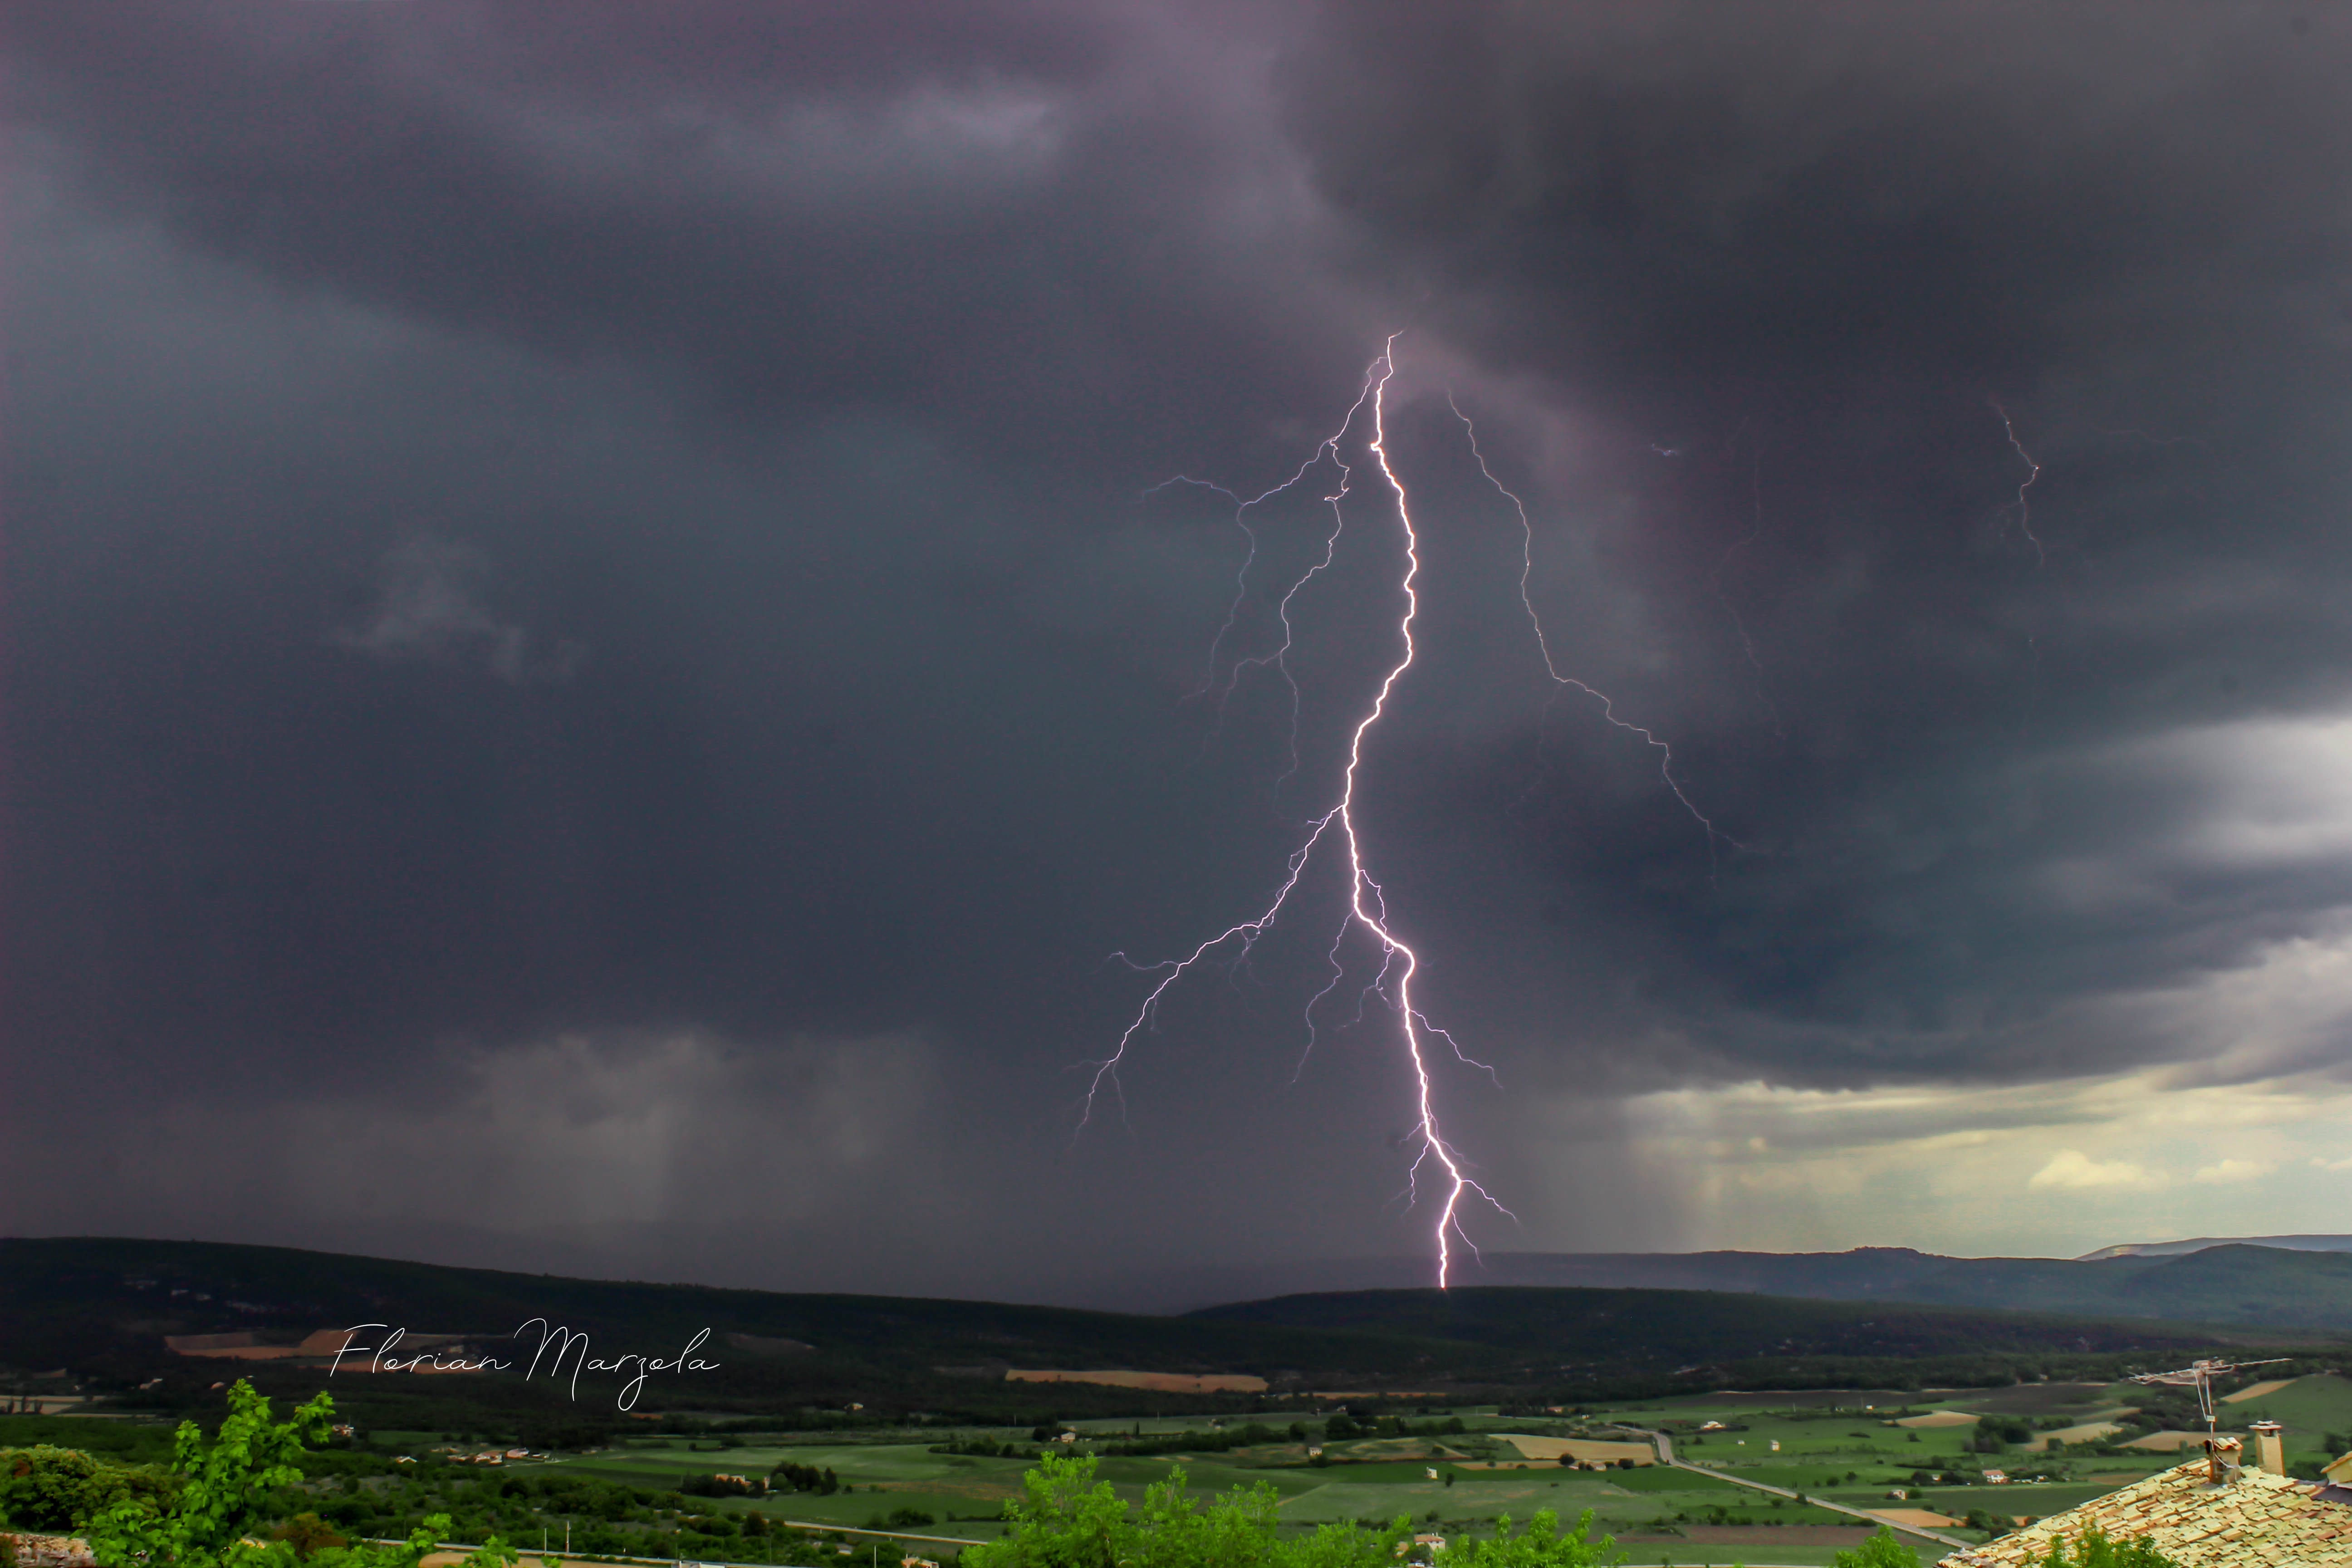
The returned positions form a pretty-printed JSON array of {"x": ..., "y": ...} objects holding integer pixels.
[{"x": 2252, "y": 1518}]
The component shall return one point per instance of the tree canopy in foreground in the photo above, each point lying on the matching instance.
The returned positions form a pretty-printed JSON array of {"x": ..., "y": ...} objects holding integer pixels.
[
  {"x": 1066, "y": 1519},
  {"x": 216, "y": 1494}
]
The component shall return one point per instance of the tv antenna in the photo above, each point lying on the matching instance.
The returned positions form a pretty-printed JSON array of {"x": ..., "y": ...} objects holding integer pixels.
[{"x": 2199, "y": 1374}]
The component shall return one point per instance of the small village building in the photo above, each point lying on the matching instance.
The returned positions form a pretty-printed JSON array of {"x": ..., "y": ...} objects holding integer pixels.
[{"x": 2208, "y": 1514}]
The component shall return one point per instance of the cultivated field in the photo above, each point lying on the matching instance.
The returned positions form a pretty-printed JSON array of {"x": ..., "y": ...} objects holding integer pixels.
[
  {"x": 1851, "y": 1449},
  {"x": 1154, "y": 1381}
]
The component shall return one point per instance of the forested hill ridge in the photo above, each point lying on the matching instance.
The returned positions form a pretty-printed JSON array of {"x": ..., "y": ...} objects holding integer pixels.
[
  {"x": 2306, "y": 1243},
  {"x": 102, "y": 1309},
  {"x": 2226, "y": 1282}
]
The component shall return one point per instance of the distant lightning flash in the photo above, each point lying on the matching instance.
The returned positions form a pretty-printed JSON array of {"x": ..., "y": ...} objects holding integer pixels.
[
  {"x": 1543, "y": 645},
  {"x": 2034, "y": 472},
  {"x": 1366, "y": 905}
]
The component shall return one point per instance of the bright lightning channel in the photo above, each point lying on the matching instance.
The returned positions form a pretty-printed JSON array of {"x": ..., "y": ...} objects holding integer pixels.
[{"x": 1367, "y": 906}]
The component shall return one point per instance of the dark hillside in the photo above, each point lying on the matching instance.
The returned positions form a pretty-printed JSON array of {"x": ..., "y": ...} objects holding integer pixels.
[
  {"x": 2234, "y": 1283},
  {"x": 74, "y": 1299},
  {"x": 102, "y": 1308},
  {"x": 1570, "y": 1326},
  {"x": 2249, "y": 1285}
]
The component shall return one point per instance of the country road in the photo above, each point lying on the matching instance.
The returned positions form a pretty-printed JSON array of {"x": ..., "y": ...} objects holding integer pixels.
[{"x": 1665, "y": 1445}]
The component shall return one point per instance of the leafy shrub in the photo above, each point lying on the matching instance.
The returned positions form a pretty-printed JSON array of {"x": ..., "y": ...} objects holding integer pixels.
[
  {"x": 806, "y": 1479},
  {"x": 1066, "y": 1519},
  {"x": 2094, "y": 1549},
  {"x": 1881, "y": 1550},
  {"x": 717, "y": 1485},
  {"x": 308, "y": 1535},
  {"x": 50, "y": 1489}
]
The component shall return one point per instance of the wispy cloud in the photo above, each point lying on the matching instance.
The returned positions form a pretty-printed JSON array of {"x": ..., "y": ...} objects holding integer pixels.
[
  {"x": 2073, "y": 1168},
  {"x": 2227, "y": 1172},
  {"x": 430, "y": 607}
]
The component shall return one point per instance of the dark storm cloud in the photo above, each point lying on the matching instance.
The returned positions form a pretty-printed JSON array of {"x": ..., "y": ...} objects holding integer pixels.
[
  {"x": 406, "y": 342},
  {"x": 1018, "y": 223},
  {"x": 1974, "y": 197},
  {"x": 599, "y": 548},
  {"x": 1794, "y": 253}
]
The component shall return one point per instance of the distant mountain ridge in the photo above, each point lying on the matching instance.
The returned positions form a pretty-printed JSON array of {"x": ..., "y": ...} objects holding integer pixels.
[
  {"x": 2176, "y": 1248},
  {"x": 2299, "y": 1281},
  {"x": 2234, "y": 1282}
]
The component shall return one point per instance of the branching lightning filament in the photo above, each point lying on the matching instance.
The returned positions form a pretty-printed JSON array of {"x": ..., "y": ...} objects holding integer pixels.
[
  {"x": 2032, "y": 472},
  {"x": 1367, "y": 908},
  {"x": 1543, "y": 646}
]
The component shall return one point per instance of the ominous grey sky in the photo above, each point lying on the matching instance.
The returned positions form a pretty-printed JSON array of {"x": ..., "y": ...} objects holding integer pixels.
[{"x": 590, "y": 676}]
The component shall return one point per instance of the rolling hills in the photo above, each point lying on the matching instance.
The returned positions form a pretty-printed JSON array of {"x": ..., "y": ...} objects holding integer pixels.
[
  {"x": 2238, "y": 1283},
  {"x": 103, "y": 1308},
  {"x": 2199, "y": 1244}
]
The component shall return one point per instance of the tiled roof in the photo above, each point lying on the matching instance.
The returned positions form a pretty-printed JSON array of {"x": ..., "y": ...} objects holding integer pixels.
[{"x": 2254, "y": 1518}]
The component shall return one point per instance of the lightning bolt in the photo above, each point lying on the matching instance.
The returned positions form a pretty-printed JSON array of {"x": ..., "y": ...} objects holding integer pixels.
[
  {"x": 1367, "y": 904},
  {"x": 2032, "y": 472},
  {"x": 1543, "y": 645}
]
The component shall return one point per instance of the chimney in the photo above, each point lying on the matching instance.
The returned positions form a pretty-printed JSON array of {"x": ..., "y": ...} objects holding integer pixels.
[
  {"x": 2222, "y": 1460},
  {"x": 2271, "y": 1452}
]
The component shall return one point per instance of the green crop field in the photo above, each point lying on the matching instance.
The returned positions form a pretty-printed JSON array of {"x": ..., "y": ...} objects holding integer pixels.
[
  {"x": 1836, "y": 1452},
  {"x": 2314, "y": 1405},
  {"x": 1824, "y": 1449},
  {"x": 1834, "y": 1446}
]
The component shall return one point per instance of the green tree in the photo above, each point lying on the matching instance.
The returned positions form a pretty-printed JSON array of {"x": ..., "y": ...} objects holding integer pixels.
[
  {"x": 223, "y": 1489},
  {"x": 52, "y": 1488},
  {"x": 309, "y": 1535},
  {"x": 1540, "y": 1545},
  {"x": 1066, "y": 1519},
  {"x": 1881, "y": 1550},
  {"x": 2096, "y": 1549}
]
